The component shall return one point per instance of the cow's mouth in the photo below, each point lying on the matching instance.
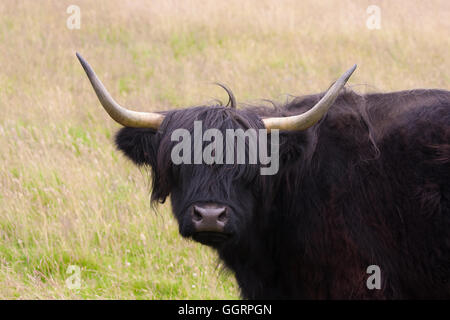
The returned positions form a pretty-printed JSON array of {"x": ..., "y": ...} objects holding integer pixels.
[{"x": 210, "y": 238}]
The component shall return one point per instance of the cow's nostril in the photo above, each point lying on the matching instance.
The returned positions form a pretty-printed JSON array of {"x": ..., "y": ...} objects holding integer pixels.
[
  {"x": 223, "y": 216},
  {"x": 196, "y": 215}
]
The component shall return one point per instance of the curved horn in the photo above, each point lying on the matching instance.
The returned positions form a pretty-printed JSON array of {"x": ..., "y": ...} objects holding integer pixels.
[
  {"x": 120, "y": 114},
  {"x": 309, "y": 118},
  {"x": 232, "y": 99}
]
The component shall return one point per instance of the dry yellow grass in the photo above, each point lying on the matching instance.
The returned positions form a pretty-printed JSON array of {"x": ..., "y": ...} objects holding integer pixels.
[{"x": 68, "y": 198}]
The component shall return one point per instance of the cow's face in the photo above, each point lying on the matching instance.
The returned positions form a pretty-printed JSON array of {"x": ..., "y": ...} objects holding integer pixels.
[
  {"x": 213, "y": 203},
  {"x": 210, "y": 205}
]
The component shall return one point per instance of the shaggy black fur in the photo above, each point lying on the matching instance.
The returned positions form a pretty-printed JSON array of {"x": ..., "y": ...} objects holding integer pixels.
[{"x": 368, "y": 185}]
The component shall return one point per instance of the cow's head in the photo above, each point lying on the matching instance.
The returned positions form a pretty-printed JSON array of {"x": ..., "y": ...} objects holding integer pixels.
[{"x": 213, "y": 202}]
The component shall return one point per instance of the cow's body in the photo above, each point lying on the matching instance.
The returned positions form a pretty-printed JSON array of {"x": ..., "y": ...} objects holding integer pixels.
[
  {"x": 363, "y": 186},
  {"x": 369, "y": 185}
]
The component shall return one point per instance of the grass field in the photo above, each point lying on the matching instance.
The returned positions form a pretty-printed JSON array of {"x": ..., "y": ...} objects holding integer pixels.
[{"x": 67, "y": 197}]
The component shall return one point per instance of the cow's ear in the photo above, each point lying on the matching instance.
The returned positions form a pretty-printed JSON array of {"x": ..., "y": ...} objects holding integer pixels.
[{"x": 138, "y": 144}]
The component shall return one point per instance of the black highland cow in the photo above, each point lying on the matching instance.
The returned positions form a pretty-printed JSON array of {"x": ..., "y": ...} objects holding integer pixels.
[{"x": 366, "y": 182}]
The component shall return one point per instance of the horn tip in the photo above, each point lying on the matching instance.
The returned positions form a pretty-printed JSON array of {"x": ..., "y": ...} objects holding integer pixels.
[
  {"x": 349, "y": 72},
  {"x": 84, "y": 64},
  {"x": 81, "y": 59}
]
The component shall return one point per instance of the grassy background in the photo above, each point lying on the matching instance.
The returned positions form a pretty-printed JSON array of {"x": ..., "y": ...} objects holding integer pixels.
[{"x": 68, "y": 198}]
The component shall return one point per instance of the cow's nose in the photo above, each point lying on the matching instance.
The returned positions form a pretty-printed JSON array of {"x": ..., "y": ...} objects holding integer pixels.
[{"x": 209, "y": 218}]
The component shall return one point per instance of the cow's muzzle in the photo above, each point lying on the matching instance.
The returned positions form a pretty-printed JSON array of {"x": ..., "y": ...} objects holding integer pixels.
[{"x": 209, "y": 221}]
